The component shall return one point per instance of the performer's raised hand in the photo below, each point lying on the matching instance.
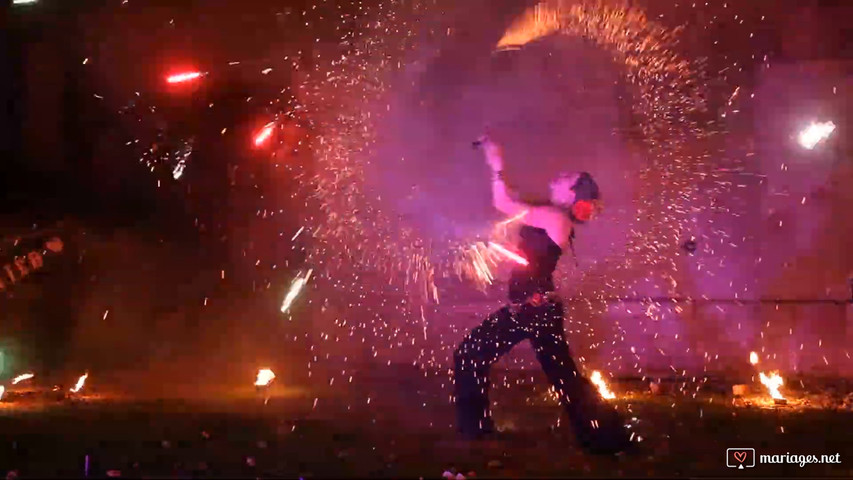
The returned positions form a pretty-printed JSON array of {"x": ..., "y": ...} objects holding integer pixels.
[{"x": 493, "y": 153}]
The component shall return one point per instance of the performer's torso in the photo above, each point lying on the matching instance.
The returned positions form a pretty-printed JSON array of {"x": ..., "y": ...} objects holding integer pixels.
[{"x": 542, "y": 255}]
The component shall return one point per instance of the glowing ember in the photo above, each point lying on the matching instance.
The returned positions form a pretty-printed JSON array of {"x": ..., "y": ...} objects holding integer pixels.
[
  {"x": 772, "y": 382},
  {"x": 183, "y": 77},
  {"x": 294, "y": 291},
  {"x": 508, "y": 254},
  {"x": 264, "y": 134},
  {"x": 2, "y": 391},
  {"x": 598, "y": 380},
  {"x": 815, "y": 133},
  {"x": 753, "y": 358},
  {"x": 21, "y": 378},
  {"x": 80, "y": 382},
  {"x": 265, "y": 376}
]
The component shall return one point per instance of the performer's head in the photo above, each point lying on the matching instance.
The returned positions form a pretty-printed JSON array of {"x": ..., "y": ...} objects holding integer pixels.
[{"x": 578, "y": 193}]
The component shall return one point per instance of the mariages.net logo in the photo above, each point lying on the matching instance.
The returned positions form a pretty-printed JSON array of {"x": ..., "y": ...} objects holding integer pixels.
[{"x": 741, "y": 458}]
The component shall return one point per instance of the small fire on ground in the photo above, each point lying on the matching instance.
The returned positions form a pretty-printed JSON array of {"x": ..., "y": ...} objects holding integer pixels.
[
  {"x": 772, "y": 381},
  {"x": 265, "y": 377},
  {"x": 598, "y": 380},
  {"x": 80, "y": 382}
]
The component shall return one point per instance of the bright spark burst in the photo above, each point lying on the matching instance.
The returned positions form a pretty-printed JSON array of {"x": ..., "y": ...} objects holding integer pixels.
[
  {"x": 815, "y": 133},
  {"x": 598, "y": 380},
  {"x": 80, "y": 382},
  {"x": 21, "y": 378},
  {"x": 295, "y": 289},
  {"x": 265, "y": 376}
]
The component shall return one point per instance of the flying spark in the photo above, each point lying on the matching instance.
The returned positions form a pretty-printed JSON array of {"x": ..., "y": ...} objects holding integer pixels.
[
  {"x": 295, "y": 289},
  {"x": 264, "y": 134}
]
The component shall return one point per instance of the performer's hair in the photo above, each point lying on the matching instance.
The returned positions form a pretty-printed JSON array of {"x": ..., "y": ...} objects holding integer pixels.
[
  {"x": 585, "y": 188},
  {"x": 587, "y": 195}
]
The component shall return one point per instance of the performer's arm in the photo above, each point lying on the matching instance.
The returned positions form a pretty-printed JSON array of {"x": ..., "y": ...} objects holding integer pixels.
[
  {"x": 556, "y": 223},
  {"x": 502, "y": 197}
]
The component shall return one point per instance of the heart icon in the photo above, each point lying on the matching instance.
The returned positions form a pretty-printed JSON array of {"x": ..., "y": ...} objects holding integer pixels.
[{"x": 740, "y": 456}]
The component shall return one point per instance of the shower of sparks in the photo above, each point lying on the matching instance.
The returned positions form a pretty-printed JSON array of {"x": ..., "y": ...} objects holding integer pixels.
[
  {"x": 477, "y": 265},
  {"x": 183, "y": 155},
  {"x": 80, "y": 382},
  {"x": 265, "y": 376},
  {"x": 183, "y": 77},
  {"x": 363, "y": 249},
  {"x": 295, "y": 289},
  {"x": 365, "y": 254},
  {"x": 265, "y": 134},
  {"x": 772, "y": 381},
  {"x": 165, "y": 155},
  {"x": 21, "y": 378},
  {"x": 815, "y": 133},
  {"x": 598, "y": 380},
  {"x": 509, "y": 254}
]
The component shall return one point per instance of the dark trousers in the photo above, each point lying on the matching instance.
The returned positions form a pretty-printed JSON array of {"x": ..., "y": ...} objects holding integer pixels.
[{"x": 596, "y": 424}]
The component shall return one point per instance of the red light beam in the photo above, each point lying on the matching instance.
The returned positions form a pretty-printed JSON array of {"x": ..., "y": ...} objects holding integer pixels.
[
  {"x": 508, "y": 254},
  {"x": 264, "y": 134},
  {"x": 183, "y": 77}
]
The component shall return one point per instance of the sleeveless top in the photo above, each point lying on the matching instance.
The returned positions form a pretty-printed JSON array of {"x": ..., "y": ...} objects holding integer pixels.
[{"x": 542, "y": 255}]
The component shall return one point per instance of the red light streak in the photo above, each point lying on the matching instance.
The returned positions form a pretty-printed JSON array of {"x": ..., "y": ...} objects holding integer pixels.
[
  {"x": 264, "y": 134},
  {"x": 508, "y": 254},
  {"x": 183, "y": 77}
]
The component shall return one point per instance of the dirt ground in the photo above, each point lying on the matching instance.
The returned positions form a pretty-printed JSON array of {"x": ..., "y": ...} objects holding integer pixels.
[{"x": 396, "y": 426}]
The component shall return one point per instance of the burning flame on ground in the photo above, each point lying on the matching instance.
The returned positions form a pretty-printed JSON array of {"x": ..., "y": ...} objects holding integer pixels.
[
  {"x": 772, "y": 381},
  {"x": 265, "y": 376},
  {"x": 295, "y": 288},
  {"x": 21, "y": 378},
  {"x": 80, "y": 382},
  {"x": 598, "y": 380}
]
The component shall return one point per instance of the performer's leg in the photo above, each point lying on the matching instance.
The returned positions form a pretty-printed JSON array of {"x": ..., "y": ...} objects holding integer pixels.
[
  {"x": 597, "y": 425},
  {"x": 472, "y": 361}
]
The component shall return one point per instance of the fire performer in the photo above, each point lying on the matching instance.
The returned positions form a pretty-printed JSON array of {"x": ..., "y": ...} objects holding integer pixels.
[{"x": 535, "y": 313}]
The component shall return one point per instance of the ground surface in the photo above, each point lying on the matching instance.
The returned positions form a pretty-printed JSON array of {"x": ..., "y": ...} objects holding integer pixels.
[{"x": 395, "y": 435}]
